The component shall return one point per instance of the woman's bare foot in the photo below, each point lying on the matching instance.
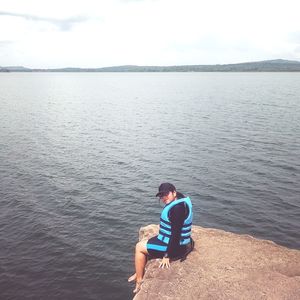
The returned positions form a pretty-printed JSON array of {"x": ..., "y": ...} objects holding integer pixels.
[
  {"x": 137, "y": 286},
  {"x": 132, "y": 278}
]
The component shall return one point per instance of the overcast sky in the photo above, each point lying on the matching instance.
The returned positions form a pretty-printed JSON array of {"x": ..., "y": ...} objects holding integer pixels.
[{"x": 98, "y": 33}]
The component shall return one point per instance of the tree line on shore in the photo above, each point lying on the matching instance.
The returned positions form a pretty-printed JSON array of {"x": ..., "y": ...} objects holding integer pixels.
[{"x": 277, "y": 65}]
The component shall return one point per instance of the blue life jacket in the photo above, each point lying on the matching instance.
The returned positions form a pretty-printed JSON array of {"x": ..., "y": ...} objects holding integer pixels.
[{"x": 165, "y": 224}]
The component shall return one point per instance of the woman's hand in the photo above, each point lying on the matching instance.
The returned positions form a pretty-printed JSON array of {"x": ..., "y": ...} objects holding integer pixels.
[{"x": 165, "y": 263}]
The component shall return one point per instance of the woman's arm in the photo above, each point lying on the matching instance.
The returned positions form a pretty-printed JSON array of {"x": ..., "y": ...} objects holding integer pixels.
[{"x": 177, "y": 216}]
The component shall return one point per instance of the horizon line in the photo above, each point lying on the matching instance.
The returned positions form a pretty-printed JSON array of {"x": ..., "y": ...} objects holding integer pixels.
[{"x": 162, "y": 66}]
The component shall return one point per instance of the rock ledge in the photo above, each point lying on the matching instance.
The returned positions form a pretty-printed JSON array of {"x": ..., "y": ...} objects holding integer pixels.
[{"x": 224, "y": 265}]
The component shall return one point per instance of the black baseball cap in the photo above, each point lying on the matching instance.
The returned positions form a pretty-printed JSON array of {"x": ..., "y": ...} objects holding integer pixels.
[{"x": 165, "y": 188}]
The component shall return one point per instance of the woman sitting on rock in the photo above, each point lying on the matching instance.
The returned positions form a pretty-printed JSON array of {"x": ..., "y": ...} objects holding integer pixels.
[{"x": 174, "y": 239}]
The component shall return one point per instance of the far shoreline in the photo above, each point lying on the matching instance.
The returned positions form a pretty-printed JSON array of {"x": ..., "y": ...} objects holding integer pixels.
[{"x": 277, "y": 65}]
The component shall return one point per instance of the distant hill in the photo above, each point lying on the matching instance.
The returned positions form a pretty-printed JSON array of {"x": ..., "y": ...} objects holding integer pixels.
[
  {"x": 277, "y": 65},
  {"x": 14, "y": 69}
]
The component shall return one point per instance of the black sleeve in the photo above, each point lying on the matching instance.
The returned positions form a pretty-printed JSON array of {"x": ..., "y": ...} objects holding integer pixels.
[{"x": 177, "y": 216}]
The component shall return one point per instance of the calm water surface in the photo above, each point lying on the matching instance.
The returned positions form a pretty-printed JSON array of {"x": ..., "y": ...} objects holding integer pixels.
[{"x": 82, "y": 154}]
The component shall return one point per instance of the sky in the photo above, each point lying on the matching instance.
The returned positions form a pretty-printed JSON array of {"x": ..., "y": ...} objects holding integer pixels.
[{"x": 100, "y": 33}]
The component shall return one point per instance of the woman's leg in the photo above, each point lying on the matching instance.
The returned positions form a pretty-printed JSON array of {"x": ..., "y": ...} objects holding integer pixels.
[
  {"x": 140, "y": 262},
  {"x": 140, "y": 259}
]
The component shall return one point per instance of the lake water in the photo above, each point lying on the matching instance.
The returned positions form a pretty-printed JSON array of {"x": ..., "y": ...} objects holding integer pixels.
[{"x": 82, "y": 155}]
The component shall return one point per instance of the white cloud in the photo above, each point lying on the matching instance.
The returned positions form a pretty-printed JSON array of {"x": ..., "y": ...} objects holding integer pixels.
[{"x": 94, "y": 33}]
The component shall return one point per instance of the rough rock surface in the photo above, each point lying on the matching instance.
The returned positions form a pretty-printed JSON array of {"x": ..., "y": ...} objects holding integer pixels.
[{"x": 224, "y": 265}]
